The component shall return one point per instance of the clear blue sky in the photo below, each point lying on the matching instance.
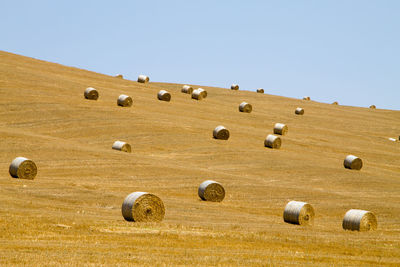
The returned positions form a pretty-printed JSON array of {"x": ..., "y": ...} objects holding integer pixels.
[{"x": 331, "y": 50}]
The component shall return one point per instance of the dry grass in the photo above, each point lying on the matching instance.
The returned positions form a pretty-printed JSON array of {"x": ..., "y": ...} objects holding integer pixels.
[{"x": 70, "y": 214}]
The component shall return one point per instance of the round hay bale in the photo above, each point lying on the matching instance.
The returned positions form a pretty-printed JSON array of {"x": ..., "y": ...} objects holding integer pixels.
[
  {"x": 220, "y": 132},
  {"x": 297, "y": 212},
  {"x": 359, "y": 220},
  {"x": 280, "y": 129},
  {"x": 299, "y": 111},
  {"x": 124, "y": 101},
  {"x": 372, "y": 106},
  {"x": 245, "y": 107},
  {"x": 335, "y": 103},
  {"x": 143, "y": 79},
  {"x": 196, "y": 94},
  {"x": 260, "y": 90},
  {"x": 352, "y": 162},
  {"x": 23, "y": 168},
  {"x": 306, "y": 98},
  {"x": 234, "y": 86},
  {"x": 187, "y": 89},
  {"x": 143, "y": 207},
  {"x": 91, "y": 93},
  {"x": 203, "y": 92},
  {"x": 122, "y": 146},
  {"x": 120, "y": 76},
  {"x": 164, "y": 96},
  {"x": 211, "y": 191},
  {"x": 272, "y": 141}
]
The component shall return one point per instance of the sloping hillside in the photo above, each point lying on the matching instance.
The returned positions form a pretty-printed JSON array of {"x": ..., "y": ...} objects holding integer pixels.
[{"x": 71, "y": 212}]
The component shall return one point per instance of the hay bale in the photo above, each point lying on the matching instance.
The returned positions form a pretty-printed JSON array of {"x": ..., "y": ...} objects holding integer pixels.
[
  {"x": 280, "y": 129},
  {"x": 187, "y": 89},
  {"x": 306, "y": 98},
  {"x": 203, "y": 92},
  {"x": 260, "y": 90},
  {"x": 164, "y": 96},
  {"x": 359, "y": 220},
  {"x": 124, "y": 101},
  {"x": 220, "y": 132},
  {"x": 211, "y": 191},
  {"x": 299, "y": 111},
  {"x": 272, "y": 141},
  {"x": 143, "y": 207},
  {"x": 91, "y": 93},
  {"x": 245, "y": 107},
  {"x": 122, "y": 146},
  {"x": 143, "y": 79},
  {"x": 297, "y": 212},
  {"x": 372, "y": 106},
  {"x": 335, "y": 103},
  {"x": 353, "y": 162},
  {"x": 120, "y": 76},
  {"x": 234, "y": 86},
  {"x": 23, "y": 168},
  {"x": 199, "y": 94}
]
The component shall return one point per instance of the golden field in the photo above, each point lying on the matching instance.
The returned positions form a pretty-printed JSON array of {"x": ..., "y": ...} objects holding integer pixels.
[{"x": 70, "y": 214}]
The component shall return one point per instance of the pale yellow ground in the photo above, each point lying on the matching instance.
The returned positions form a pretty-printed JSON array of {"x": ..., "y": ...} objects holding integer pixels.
[{"x": 71, "y": 213}]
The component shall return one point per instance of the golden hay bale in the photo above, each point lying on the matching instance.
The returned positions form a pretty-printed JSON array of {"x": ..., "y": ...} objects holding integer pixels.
[
  {"x": 272, "y": 141},
  {"x": 306, "y": 98},
  {"x": 359, "y": 220},
  {"x": 124, "y": 101},
  {"x": 143, "y": 79},
  {"x": 164, "y": 96},
  {"x": 211, "y": 191},
  {"x": 353, "y": 162},
  {"x": 91, "y": 93},
  {"x": 245, "y": 107},
  {"x": 335, "y": 103},
  {"x": 220, "y": 132},
  {"x": 203, "y": 92},
  {"x": 23, "y": 168},
  {"x": 196, "y": 94},
  {"x": 120, "y": 76},
  {"x": 122, "y": 146},
  {"x": 187, "y": 89},
  {"x": 298, "y": 212},
  {"x": 372, "y": 106},
  {"x": 280, "y": 129},
  {"x": 299, "y": 111},
  {"x": 234, "y": 86},
  {"x": 143, "y": 207},
  {"x": 260, "y": 90}
]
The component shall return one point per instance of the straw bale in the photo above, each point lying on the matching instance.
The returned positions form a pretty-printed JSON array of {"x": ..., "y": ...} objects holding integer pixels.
[
  {"x": 297, "y": 212},
  {"x": 91, "y": 93},
  {"x": 306, "y": 98},
  {"x": 122, "y": 146},
  {"x": 359, "y": 220},
  {"x": 164, "y": 95},
  {"x": 234, "y": 86},
  {"x": 203, "y": 92},
  {"x": 143, "y": 207},
  {"x": 272, "y": 141},
  {"x": 187, "y": 89},
  {"x": 211, "y": 191},
  {"x": 280, "y": 129},
  {"x": 372, "y": 106},
  {"x": 23, "y": 168},
  {"x": 124, "y": 101},
  {"x": 335, "y": 103},
  {"x": 120, "y": 76},
  {"x": 299, "y": 111},
  {"x": 220, "y": 132},
  {"x": 245, "y": 107},
  {"x": 143, "y": 79},
  {"x": 353, "y": 162},
  {"x": 260, "y": 90}
]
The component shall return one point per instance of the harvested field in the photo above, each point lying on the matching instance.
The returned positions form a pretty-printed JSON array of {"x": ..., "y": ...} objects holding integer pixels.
[{"x": 70, "y": 214}]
